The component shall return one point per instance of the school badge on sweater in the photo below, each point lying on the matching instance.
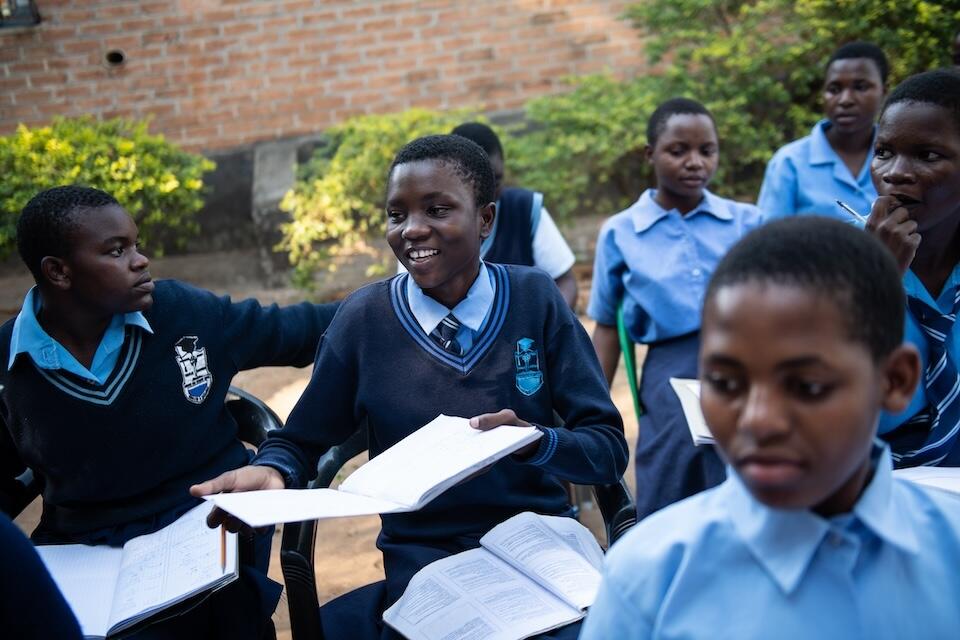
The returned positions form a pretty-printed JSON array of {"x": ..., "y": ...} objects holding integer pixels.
[
  {"x": 192, "y": 360},
  {"x": 529, "y": 376}
]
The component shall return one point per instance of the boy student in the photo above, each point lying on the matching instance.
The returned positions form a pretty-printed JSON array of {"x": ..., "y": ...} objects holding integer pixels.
[
  {"x": 810, "y": 536},
  {"x": 523, "y": 231},
  {"x": 112, "y": 390},
  {"x": 809, "y": 175},
  {"x": 916, "y": 168},
  {"x": 655, "y": 259},
  {"x": 454, "y": 335}
]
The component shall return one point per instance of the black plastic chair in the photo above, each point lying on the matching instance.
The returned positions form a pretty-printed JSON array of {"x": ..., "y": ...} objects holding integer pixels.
[{"x": 299, "y": 538}]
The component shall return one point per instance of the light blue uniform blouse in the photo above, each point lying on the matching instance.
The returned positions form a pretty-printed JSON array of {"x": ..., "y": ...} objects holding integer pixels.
[
  {"x": 808, "y": 177},
  {"x": 659, "y": 262},
  {"x": 722, "y": 565}
]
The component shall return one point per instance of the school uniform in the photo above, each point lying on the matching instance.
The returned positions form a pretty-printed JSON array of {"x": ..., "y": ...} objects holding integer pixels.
[
  {"x": 723, "y": 565},
  {"x": 657, "y": 263},
  {"x": 524, "y": 233},
  {"x": 807, "y": 177},
  {"x": 910, "y": 430},
  {"x": 118, "y": 446},
  {"x": 31, "y": 605},
  {"x": 520, "y": 347}
]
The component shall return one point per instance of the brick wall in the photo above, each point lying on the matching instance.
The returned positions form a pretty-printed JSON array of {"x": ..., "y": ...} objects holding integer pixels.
[{"x": 217, "y": 74}]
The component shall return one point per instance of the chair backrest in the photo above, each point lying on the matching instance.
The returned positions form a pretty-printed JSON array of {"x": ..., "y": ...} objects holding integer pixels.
[{"x": 299, "y": 538}]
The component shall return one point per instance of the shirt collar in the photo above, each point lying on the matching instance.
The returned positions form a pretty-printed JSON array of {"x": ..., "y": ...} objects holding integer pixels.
[
  {"x": 30, "y": 338},
  {"x": 470, "y": 312},
  {"x": 784, "y": 541},
  {"x": 820, "y": 150},
  {"x": 646, "y": 212}
]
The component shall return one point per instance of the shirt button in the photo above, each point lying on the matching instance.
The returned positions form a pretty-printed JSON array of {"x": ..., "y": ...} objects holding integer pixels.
[{"x": 697, "y": 272}]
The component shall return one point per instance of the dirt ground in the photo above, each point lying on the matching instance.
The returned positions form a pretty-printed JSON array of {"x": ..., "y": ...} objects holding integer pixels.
[{"x": 346, "y": 557}]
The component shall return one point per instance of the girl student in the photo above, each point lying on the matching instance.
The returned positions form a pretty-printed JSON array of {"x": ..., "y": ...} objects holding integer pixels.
[
  {"x": 447, "y": 337},
  {"x": 655, "y": 259}
]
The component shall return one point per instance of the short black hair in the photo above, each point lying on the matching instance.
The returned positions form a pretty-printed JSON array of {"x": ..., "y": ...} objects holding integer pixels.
[
  {"x": 468, "y": 160},
  {"x": 862, "y": 50},
  {"x": 829, "y": 258},
  {"x": 46, "y": 222},
  {"x": 940, "y": 87},
  {"x": 482, "y": 135},
  {"x": 657, "y": 123}
]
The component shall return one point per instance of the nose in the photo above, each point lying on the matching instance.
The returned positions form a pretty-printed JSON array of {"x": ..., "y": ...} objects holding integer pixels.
[
  {"x": 847, "y": 97},
  {"x": 763, "y": 417},
  {"x": 139, "y": 262},
  {"x": 415, "y": 227},
  {"x": 693, "y": 161},
  {"x": 898, "y": 171}
]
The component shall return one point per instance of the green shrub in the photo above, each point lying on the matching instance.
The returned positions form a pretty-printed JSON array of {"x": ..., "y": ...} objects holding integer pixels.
[
  {"x": 337, "y": 199},
  {"x": 159, "y": 184}
]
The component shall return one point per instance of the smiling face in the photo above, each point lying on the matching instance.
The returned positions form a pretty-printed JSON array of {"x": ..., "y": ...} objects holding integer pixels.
[
  {"x": 917, "y": 160},
  {"x": 104, "y": 270},
  {"x": 684, "y": 160},
  {"x": 435, "y": 227},
  {"x": 791, "y": 399},
  {"x": 852, "y": 94}
]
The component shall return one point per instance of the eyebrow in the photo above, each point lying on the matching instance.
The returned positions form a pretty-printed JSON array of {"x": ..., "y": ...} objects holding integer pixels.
[{"x": 792, "y": 363}]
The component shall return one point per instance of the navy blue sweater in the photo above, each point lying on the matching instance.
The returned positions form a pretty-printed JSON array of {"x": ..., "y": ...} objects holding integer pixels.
[
  {"x": 517, "y": 217},
  {"x": 129, "y": 449},
  {"x": 532, "y": 356}
]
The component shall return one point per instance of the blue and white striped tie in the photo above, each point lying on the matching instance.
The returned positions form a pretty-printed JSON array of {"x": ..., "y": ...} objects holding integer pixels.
[
  {"x": 940, "y": 421},
  {"x": 445, "y": 334}
]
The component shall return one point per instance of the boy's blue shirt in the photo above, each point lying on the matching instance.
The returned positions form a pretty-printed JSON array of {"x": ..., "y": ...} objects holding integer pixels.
[
  {"x": 807, "y": 177},
  {"x": 915, "y": 336},
  {"x": 658, "y": 263},
  {"x": 471, "y": 311},
  {"x": 30, "y": 338},
  {"x": 888, "y": 569}
]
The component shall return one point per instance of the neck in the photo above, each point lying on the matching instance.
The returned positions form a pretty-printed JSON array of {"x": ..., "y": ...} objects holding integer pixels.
[
  {"x": 854, "y": 142},
  {"x": 844, "y": 499},
  {"x": 453, "y": 293},
  {"x": 681, "y": 203},
  {"x": 78, "y": 330},
  {"x": 938, "y": 255}
]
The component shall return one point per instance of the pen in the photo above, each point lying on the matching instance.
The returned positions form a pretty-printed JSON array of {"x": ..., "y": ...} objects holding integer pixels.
[
  {"x": 850, "y": 210},
  {"x": 223, "y": 548}
]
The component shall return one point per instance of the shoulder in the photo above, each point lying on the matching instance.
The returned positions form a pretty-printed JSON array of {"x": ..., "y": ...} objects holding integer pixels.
[
  {"x": 174, "y": 292},
  {"x": 745, "y": 213},
  {"x": 367, "y": 300},
  {"x": 935, "y": 512},
  {"x": 792, "y": 153}
]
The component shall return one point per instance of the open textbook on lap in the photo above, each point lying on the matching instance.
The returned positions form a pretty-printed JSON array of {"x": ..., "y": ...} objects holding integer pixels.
[
  {"x": 405, "y": 477},
  {"x": 531, "y": 574},
  {"x": 111, "y": 589}
]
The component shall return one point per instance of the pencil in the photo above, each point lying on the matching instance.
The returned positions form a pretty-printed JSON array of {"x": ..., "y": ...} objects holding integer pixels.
[
  {"x": 223, "y": 548},
  {"x": 850, "y": 210}
]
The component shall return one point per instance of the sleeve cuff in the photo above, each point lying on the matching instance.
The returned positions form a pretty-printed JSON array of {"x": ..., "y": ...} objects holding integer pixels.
[
  {"x": 290, "y": 477},
  {"x": 547, "y": 448}
]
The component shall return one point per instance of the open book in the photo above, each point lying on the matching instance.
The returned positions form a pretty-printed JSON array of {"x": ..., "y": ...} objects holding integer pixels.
[
  {"x": 405, "y": 477},
  {"x": 111, "y": 589},
  {"x": 532, "y": 574},
  {"x": 689, "y": 393}
]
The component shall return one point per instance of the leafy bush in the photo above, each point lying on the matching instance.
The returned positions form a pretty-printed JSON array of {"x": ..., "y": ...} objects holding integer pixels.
[
  {"x": 159, "y": 184},
  {"x": 338, "y": 196}
]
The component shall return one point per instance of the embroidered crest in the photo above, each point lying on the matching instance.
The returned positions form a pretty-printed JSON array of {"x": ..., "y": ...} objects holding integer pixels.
[
  {"x": 192, "y": 359},
  {"x": 529, "y": 376}
]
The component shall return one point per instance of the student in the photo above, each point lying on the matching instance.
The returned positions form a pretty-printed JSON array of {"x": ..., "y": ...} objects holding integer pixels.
[
  {"x": 523, "y": 231},
  {"x": 31, "y": 606},
  {"x": 809, "y": 175},
  {"x": 446, "y": 337},
  {"x": 655, "y": 258},
  {"x": 916, "y": 168},
  {"x": 810, "y": 536},
  {"x": 112, "y": 390}
]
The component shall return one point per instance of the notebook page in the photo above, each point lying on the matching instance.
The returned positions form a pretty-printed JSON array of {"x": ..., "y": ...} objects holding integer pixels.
[
  {"x": 577, "y": 537},
  {"x": 434, "y": 458},
  {"x": 86, "y": 576},
  {"x": 688, "y": 391},
  {"x": 262, "y": 508}
]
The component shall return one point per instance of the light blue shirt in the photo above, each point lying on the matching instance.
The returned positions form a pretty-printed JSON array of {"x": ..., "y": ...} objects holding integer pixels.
[
  {"x": 29, "y": 337},
  {"x": 807, "y": 177},
  {"x": 915, "y": 336},
  {"x": 722, "y": 565},
  {"x": 658, "y": 263},
  {"x": 471, "y": 311}
]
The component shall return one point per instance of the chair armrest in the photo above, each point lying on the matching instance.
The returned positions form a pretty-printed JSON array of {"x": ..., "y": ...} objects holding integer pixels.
[
  {"x": 255, "y": 420},
  {"x": 618, "y": 509}
]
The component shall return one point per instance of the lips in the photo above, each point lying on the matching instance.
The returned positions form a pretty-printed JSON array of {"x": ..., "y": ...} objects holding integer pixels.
[
  {"x": 693, "y": 181},
  {"x": 846, "y": 118},
  {"x": 421, "y": 254},
  {"x": 770, "y": 471},
  {"x": 905, "y": 200},
  {"x": 144, "y": 284}
]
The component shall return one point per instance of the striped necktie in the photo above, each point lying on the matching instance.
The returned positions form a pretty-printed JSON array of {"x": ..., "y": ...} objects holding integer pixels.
[
  {"x": 939, "y": 423},
  {"x": 445, "y": 335}
]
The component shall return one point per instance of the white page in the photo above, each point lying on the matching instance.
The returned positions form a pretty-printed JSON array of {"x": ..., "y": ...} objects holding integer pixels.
[
  {"x": 577, "y": 537},
  {"x": 474, "y": 595},
  {"x": 946, "y": 478},
  {"x": 434, "y": 458},
  {"x": 530, "y": 545},
  {"x": 86, "y": 576},
  {"x": 688, "y": 391},
  {"x": 262, "y": 508}
]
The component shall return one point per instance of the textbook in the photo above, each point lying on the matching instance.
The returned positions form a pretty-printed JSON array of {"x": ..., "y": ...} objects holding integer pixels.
[
  {"x": 405, "y": 477},
  {"x": 531, "y": 574},
  {"x": 112, "y": 589},
  {"x": 688, "y": 391}
]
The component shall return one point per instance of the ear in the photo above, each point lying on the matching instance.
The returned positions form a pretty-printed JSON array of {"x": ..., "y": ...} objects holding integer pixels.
[
  {"x": 56, "y": 271},
  {"x": 488, "y": 213},
  {"x": 648, "y": 153},
  {"x": 901, "y": 374}
]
